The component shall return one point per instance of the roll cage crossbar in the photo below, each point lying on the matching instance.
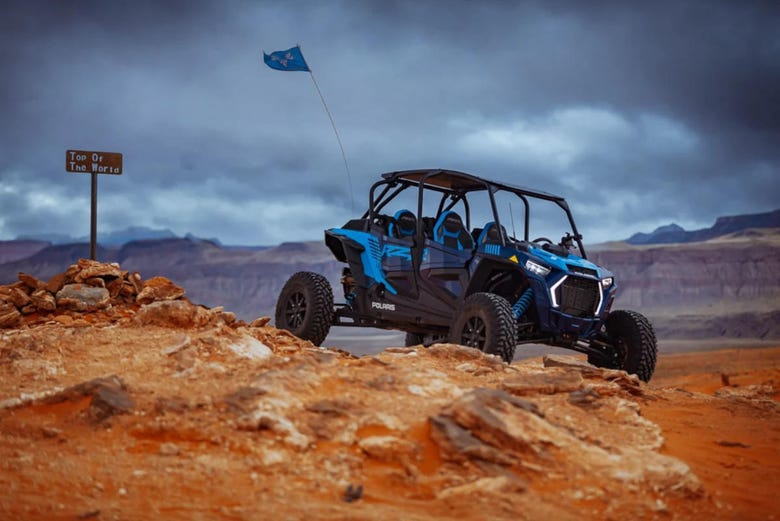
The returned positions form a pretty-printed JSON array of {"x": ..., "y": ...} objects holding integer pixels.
[{"x": 454, "y": 185}]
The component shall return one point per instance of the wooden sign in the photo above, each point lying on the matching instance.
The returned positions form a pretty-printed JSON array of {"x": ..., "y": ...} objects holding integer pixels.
[
  {"x": 86, "y": 162},
  {"x": 94, "y": 163}
]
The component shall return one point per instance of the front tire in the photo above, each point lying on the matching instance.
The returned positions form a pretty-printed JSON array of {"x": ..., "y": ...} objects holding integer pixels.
[
  {"x": 633, "y": 343},
  {"x": 305, "y": 307},
  {"x": 486, "y": 322}
]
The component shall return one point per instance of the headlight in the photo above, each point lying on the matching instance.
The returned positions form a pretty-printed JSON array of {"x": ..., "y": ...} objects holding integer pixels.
[
  {"x": 536, "y": 268},
  {"x": 606, "y": 283}
]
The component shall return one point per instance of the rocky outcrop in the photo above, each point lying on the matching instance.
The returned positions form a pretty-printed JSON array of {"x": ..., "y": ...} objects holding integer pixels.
[
  {"x": 246, "y": 281},
  {"x": 447, "y": 427},
  {"x": 90, "y": 286}
]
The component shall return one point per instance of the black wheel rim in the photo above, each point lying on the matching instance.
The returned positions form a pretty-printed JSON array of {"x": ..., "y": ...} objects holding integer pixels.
[
  {"x": 619, "y": 353},
  {"x": 295, "y": 311},
  {"x": 473, "y": 334}
]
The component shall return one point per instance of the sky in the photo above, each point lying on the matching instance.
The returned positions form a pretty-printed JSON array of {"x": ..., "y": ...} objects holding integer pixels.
[{"x": 639, "y": 113}]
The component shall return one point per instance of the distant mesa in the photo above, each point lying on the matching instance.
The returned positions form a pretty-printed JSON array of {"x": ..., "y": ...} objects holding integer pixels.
[
  {"x": 292, "y": 247},
  {"x": 672, "y": 233},
  {"x": 115, "y": 238},
  {"x": 659, "y": 235}
]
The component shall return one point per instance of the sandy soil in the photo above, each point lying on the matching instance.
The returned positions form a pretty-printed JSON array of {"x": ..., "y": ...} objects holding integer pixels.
[
  {"x": 734, "y": 450},
  {"x": 181, "y": 453}
]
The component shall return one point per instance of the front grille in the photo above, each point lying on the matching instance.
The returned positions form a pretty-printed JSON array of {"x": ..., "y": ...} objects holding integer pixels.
[
  {"x": 578, "y": 296},
  {"x": 584, "y": 271}
]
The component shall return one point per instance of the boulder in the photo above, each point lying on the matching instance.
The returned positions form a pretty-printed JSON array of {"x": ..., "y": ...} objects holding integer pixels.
[
  {"x": 490, "y": 424},
  {"x": 30, "y": 281},
  {"x": 109, "y": 399},
  {"x": 128, "y": 291},
  {"x": 159, "y": 288},
  {"x": 55, "y": 283},
  {"x": 552, "y": 381},
  {"x": 17, "y": 297},
  {"x": 619, "y": 380},
  {"x": 457, "y": 444},
  {"x": 89, "y": 269},
  {"x": 172, "y": 313},
  {"x": 71, "y": 272},
  {"x": 9, "y": 315},
  {"x": 260, "y": 322},
  {"x": 96, "y": 282},
  {"x": 114, "y": 287},
  {"x": 80, "y": 297},
  {"x": 43, "y": 300}
]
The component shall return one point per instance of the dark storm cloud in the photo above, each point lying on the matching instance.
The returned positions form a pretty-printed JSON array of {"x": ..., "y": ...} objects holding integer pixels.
[{"x": 640, "y": 114}]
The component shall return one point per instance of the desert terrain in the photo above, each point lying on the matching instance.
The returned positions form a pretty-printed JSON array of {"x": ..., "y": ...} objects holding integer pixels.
[{"x": 134, "y": 403}]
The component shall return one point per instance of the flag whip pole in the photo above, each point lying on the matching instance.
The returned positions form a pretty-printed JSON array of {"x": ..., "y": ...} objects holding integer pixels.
[
  {"x": 338, "y": 138},
  {"x": 279, "y": 60}
]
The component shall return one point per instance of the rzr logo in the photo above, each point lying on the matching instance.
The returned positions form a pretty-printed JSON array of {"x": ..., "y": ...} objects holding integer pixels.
[{"x": 383, "y": 306}]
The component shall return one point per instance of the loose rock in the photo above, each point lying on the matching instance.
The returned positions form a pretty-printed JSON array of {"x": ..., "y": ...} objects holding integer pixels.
[
  {"x": 30, "y": 281},
  {"x": 80, "y": 297},
  {"x": 172, "y": 313},
  {"x": 109, "y": 399},
  {"x": 9, "y": 315},
  {"x": 43, "y": 300},
  {"x": 548, "y": 382},
  {"x": 159, "y": 288},
  {"x": 18, "y": 297},
  {"x": 90, "y": 269}
]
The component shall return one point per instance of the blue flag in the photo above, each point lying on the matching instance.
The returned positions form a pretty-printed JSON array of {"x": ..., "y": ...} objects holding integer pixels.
[{"x": 289, "y": 60}]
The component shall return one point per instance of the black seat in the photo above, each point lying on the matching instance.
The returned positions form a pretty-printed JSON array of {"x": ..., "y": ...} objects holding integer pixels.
[
  {"x": 404, "y": 224},
  {"x": 449, "y": 231}
]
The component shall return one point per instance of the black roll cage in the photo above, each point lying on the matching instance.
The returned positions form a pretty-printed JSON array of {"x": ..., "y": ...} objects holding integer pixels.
[{"x": 454, "y": 185}]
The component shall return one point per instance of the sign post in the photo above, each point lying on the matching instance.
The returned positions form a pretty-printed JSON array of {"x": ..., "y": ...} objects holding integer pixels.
[{"x": 94, "y": 163}]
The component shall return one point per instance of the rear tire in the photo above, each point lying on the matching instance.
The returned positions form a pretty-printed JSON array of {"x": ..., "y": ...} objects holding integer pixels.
[
  {"x": 305, "y": 307},
  {"x": 634, "y": 344},
  {"x": 486, "y": 322}
]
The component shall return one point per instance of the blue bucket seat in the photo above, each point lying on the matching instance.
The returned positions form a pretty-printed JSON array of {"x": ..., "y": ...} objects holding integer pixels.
[{"x": 450, "y": 232}]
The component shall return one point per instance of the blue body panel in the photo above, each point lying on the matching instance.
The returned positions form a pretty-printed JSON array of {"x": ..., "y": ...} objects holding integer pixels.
[
  {"x": 381, "y": 257},
  {"x": 372, "y": 254}
]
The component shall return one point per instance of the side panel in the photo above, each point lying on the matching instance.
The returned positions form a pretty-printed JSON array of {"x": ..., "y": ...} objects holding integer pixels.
[
  {"x": 386, "y": 284},
  {"x": 444, "y": 270}
]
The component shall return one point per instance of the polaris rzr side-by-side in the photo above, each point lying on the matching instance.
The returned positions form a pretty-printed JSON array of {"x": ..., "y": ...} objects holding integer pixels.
[{"x": 424, "y": 270}]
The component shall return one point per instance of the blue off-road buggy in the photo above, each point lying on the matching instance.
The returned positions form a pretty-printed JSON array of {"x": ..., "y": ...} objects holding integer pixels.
[{"x": 422, "y": 269}]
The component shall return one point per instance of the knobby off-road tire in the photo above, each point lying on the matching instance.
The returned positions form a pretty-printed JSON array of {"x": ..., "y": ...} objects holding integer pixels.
[
  {"x": 305, "y": 307},
  {"x": 633, "y": 339},
  {"x": 486, "y": 322}
]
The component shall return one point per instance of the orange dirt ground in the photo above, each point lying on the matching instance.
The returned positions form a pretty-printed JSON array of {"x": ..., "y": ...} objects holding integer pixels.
[
  {"x": 734, "y": 451},
  {"x": 180, "y": 454}
]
